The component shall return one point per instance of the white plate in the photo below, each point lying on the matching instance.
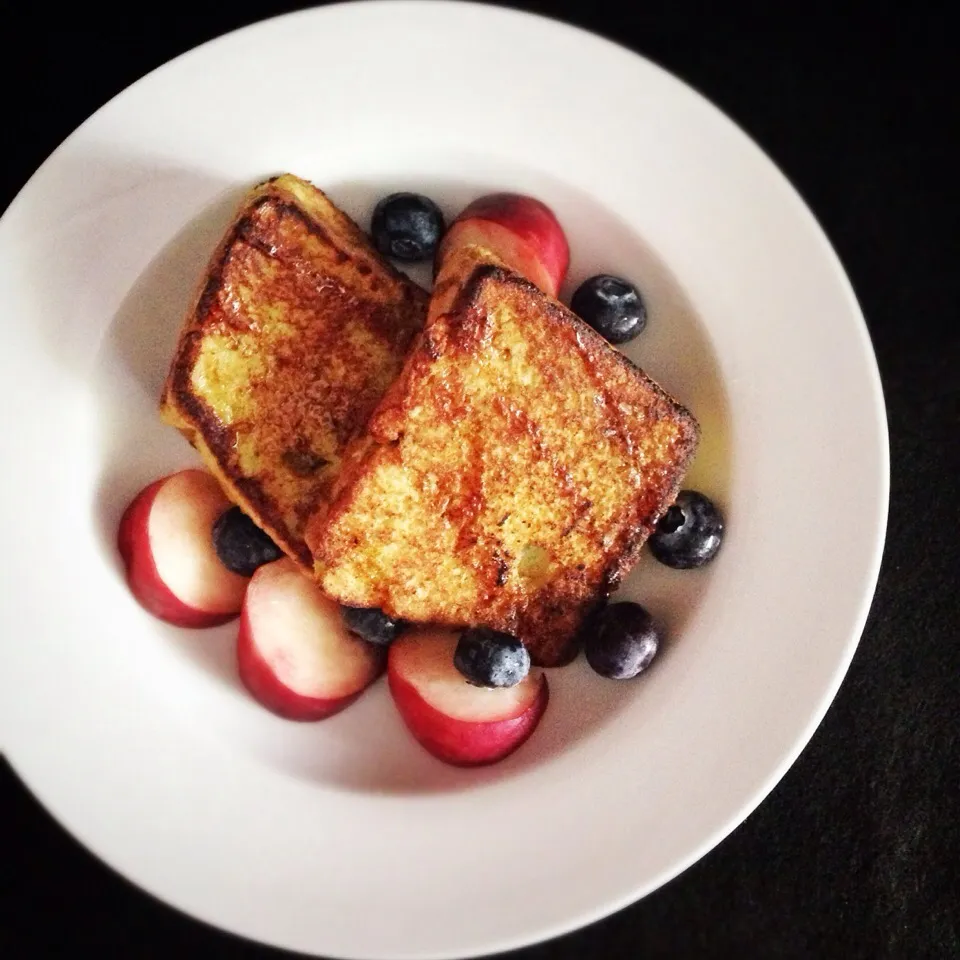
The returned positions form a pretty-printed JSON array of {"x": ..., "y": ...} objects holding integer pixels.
[{"x": 343, "y": 838}]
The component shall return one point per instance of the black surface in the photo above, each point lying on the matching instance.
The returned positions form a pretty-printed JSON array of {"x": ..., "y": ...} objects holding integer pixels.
[{"x": 856, "y": 854}]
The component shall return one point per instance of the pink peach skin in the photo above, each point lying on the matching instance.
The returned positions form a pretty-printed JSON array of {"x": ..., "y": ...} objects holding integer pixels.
[
  {"x": 521, "y": 231},
  {"x": 294, "y": 653},
  {"x": 217, "y": 596},
  {"x": 493, "y": 724}
]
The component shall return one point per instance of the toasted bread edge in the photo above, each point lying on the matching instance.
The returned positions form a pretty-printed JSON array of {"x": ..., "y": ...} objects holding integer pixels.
[
  {"x": 180, "y": 409},
  {"x": 385, "y": 424}
]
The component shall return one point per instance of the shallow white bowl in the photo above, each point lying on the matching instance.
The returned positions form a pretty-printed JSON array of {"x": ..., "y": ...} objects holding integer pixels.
[{"x": 343, "y": 838}]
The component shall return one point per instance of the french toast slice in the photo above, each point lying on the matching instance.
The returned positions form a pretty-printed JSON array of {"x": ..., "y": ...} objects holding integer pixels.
[
  {"x": 297, "y": 330},
  {"x": 510, "y": 475}
]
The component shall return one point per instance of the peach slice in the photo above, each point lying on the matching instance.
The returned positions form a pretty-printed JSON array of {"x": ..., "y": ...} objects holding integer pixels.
[
  {"x": 457, "y": 722},
  {"x": 294, "y": 652},
  {"x": 166, "y": 543}
]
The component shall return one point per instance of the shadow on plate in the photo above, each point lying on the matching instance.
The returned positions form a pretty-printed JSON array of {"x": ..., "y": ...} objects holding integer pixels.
[{"x": 133, "y": 358}]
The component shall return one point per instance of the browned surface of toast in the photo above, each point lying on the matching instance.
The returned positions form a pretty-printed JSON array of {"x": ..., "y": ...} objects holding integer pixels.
[
  {"x": 511, "y": 474},
  {"x": 298, "y": 329}
]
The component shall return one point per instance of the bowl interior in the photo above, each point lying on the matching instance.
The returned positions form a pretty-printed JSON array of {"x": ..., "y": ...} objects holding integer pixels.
[{"x": 366, "y": 748}]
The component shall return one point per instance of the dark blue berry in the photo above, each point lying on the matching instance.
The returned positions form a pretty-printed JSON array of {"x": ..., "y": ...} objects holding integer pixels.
[
  {"x": 621, "y": 641},
  {"x": 689, "y": 534},
  {"x": 241, "y": 545},
  {"x": 488, "y": 658},
  {"x": 407, "y": 226},
  {"x": 372, "y": 624},
  {"x": 613, "y": 307}
]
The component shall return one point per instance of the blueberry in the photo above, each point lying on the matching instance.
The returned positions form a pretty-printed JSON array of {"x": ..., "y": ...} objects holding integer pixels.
[
  {"x": 613, "y": 307},
  {"x": 407, "y": 226},
  {"x": 488, "y": 658},
  {"x": 372, "y": 624},
  {"x": 241, "y": 545},
  {"x": 689, "y": 534},
  {"x": 622, "y": 641}
]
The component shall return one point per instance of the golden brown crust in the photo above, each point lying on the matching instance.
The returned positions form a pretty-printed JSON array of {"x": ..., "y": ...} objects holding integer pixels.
[
  {"x": 511, "y": 473},
  {"x": 298, "y": 328}
]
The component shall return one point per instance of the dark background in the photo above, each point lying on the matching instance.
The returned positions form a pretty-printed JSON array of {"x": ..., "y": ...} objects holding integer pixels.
[{"x": 856, "y": 854}]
